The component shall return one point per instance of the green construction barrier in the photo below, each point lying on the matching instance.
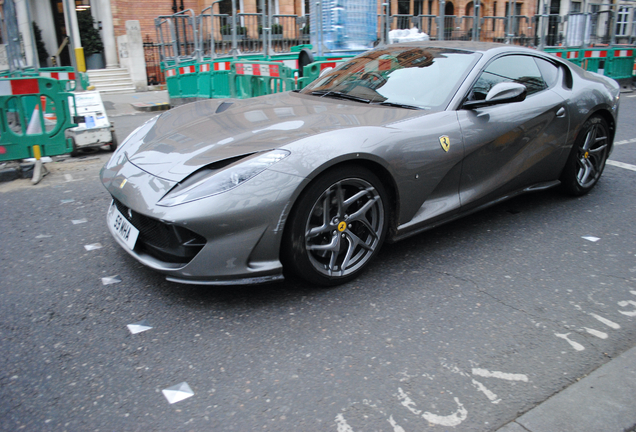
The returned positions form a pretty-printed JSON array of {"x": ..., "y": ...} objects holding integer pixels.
[
  {"x": 621, "y": 63},
  {"x": 220, "y": 79},
  {"x": 172, "y": 81},
  {"x": 251, "y": 79},
  {"x": 313, "y": 70},
  {"x": 595, "y": 59},
  {"x": 204, "y": 79},
  {"x": 34, "y": 111}
]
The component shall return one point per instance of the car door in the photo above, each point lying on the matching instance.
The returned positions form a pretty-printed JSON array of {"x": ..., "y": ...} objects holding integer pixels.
[{"x": 513, "y": 145}]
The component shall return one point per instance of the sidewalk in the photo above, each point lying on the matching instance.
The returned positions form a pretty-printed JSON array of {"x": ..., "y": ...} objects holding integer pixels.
[
  {"x": 134, "y": 103},
  {"x": 603, "y": 401}
]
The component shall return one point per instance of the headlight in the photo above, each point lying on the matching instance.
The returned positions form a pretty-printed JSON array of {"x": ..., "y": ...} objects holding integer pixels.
[{"x": 210, "y": 182}]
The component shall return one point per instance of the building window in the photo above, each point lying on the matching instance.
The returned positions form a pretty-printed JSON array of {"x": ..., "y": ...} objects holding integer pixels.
[
  {"x": 575, "y": 7},
  {"x": 622, "y": 22},
  {"x": 594, "y": 10}
]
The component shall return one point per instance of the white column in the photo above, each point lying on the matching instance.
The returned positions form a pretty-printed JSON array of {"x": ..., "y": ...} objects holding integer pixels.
[
  {"x": 42, "y": 14},
  {"x": 24, "y": 27},
  {"x": 105, "y": 15}
]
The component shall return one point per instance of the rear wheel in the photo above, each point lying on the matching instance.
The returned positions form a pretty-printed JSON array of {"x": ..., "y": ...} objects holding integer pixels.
[
  {"x": 75, "y": 152},
  {"x": 114, "y": 143},
  {"x": 337, "y": 226},
  {"x": 587, "y": 158}
]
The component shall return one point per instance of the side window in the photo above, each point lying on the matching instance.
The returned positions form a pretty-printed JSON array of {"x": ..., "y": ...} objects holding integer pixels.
[
  {"x": 514, "y": 68},
  {"x": 549, "y": 71}
]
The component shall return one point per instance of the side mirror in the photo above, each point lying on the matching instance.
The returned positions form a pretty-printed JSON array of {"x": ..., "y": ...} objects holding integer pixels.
[{"x": 501, "y": 93}]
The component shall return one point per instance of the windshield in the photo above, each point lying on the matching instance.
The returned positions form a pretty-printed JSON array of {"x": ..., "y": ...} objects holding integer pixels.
[{"x": 413, "y": 77}]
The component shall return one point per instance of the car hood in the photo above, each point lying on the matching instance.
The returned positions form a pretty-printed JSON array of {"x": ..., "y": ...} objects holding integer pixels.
[{"x": 192, "y": 136}]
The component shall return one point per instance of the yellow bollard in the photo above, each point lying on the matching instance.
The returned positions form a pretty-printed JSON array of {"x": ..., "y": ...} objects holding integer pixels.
[
  {"x": 37, "y": 154},
  {"x": 79, "y": 57}
]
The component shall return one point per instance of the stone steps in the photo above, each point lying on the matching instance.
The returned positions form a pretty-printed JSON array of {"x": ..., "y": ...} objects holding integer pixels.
[{"x": 115, "y": 80}]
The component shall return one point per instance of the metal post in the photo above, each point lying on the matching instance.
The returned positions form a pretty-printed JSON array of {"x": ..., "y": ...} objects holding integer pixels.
[
  {"x": 175, "y": 45},
  {"x": 269, "y": 27},
  {"x": 542, "y": 6},
  {"x": 387, "y": 20},
  {"x": 263, "y": 27},
  {"x": 508, "y": 24},
  {"x": 234, "y": 44},
  {"x": 615, "y": 20},
  {"x": 476, "y": 20},
  {"x": 319, "y": 29},
  {"x": 442, "y": 20}
]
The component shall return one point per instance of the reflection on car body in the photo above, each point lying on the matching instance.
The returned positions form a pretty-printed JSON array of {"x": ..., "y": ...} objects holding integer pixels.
[{"x": 389, "y": 144}]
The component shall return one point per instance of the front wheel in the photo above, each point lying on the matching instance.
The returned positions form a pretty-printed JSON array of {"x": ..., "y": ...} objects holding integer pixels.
[
  {"x": 337, "y": 226},
  {"x": 587, "y": 158}
]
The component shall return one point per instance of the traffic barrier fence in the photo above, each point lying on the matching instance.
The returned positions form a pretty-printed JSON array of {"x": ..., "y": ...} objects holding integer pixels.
[{"x": 34, "y": 115}]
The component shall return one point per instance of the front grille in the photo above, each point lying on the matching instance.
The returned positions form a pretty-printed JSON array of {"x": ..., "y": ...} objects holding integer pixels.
[{"x": 168, "y": 243}]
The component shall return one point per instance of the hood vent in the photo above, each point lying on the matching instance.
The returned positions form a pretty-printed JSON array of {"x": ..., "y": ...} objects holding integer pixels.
[{"x": 223, "y": 107}]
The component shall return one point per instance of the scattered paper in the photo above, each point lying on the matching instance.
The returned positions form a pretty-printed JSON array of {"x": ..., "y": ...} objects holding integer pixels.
[
  {"x": 41, "y": 236},
  {"x": 78, "y": 221},
  {"x": 94, "y": 246},
  {"x": 111, "y": 280},
  {"x": 178, "y": 392},
  {"x": 139, "y": 327},
  {"x": 591, "y": 238},
  {"x": 66, "y": 201}
]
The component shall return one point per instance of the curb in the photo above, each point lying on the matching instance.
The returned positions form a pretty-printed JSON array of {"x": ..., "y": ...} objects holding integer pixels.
[
  {"x": 151, "y": 106},
  {"x": 605, "y": 400}
]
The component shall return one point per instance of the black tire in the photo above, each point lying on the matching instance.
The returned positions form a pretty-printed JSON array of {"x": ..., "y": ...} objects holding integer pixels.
[
  {"x": 587, "y": 158},
  {"x": 75, "y": 152},
  {"x": 114, "y": 143},
  {"x": 334, "y": 247}
]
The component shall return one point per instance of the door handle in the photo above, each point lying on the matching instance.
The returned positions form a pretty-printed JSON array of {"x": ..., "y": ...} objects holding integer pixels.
[{"x": 560, "y": 113}]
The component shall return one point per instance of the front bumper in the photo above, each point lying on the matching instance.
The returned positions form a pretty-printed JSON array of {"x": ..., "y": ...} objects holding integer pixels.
[{"x": 226, "y": 239}]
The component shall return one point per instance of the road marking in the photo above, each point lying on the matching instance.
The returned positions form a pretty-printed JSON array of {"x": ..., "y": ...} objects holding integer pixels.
[
  {"x": 606, "y": 321},
  {"x": 627, "y": 141},
  {"x": 342, "y": 424},
  {"x": 598, "y": 334},
  {"x": 622, "y": 165},
  {"x": 396, "y": 427},
  {"x": 501, "y": 375},
  {"x": 577, "y": 346},
  {"x": 451, "y": 420},
  {"x": 482, "y": 388},
  {"x": 625, "y": 304}
]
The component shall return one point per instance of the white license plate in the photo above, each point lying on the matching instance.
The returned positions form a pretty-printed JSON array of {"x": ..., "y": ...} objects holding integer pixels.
[{"x": 121, "y": 228}]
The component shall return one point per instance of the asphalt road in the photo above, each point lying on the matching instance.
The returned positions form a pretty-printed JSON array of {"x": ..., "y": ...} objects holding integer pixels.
[{"x": 461, "y": 328}]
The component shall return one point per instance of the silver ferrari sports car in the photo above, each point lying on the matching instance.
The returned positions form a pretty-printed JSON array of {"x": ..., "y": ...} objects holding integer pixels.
[{"x": 389, "y": 144}]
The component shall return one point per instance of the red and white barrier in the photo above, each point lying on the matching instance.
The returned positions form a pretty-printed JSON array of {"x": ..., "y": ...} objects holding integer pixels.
[
  {"x": 19, "y": 87},
  {"x": 257, "y": 70},
  {"x": 623, "y": 53},
  {"x": 595, "y": 54},
  {"x": 222, "y": 66},
  {"x": 59, "y": 75}
]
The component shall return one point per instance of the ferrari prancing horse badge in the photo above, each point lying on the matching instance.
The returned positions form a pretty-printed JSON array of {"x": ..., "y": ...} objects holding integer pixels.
[{"x": 444, "y": 141}]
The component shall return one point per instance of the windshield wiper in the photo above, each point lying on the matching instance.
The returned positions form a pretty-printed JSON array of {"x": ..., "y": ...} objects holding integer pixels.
[
  {"x": 337, "y": 94},
  {"x": 398, "y": 105}
]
